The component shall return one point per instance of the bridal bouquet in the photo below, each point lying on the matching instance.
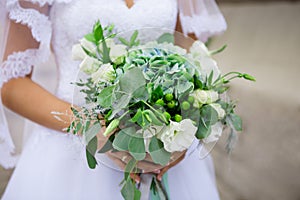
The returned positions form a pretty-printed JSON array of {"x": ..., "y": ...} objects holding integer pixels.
[{"x": 154, "y": 98}]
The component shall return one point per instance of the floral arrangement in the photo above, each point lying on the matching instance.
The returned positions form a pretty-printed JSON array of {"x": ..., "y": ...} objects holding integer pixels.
[{"x": 155, "y": 98}]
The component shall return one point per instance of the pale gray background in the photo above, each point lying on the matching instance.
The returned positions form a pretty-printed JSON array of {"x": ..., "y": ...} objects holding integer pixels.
[{"x": 263, "y": 40}]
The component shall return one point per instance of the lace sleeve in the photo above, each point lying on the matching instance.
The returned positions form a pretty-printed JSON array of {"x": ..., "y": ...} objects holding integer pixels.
[
  {"x": 201, "y": 17},
  {"x": 19, "y": 64}
]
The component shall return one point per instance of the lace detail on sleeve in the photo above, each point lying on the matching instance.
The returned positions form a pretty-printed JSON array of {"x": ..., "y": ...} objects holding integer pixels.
[
  {"x": 201, "y": 17},
  {"x": 19, "y": 64}
]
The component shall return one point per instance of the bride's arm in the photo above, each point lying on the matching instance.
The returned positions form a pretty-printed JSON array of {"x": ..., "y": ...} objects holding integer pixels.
[{"x": 26, "y": 97}]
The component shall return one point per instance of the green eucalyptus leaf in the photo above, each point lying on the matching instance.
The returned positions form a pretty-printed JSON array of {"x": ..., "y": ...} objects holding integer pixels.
[
  {"x": 92, "y": 162},
  {"x": 127, "y": 190},
  {"x": 129, "y": 168},
  {"x": 166, "y": 37},
  {"x": 105, "y": 97},
  {"x": 121, "y": 141},
  {"x": 209, "y": 115},
  {"x": 90, "y": 152},
  {"x": 136, "y": 148},
  {"x": 122, "y": 103},
  {"x": 108, "y": 145},
  {"x": 157, "y": 152},
  {"x": 91, "y": 132},
  {"x": 236, "y": 122},
  {"x": 137, "y": 194},
  {"x": 132, "y": 80},
  {"x": 203, "y": 130}
]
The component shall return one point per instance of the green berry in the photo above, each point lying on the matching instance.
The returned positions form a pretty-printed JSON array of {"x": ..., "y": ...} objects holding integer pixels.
[
  {"x": 185, "y": 105},
  {"x": 167, "y": 115},
  {"x": 177, "y": 118},
  {"x": 171, "y": 104},
  {"x": 169, "y": 97},
  {"x": 160, "y": 102},
  {"x": 191, "y": 99}
]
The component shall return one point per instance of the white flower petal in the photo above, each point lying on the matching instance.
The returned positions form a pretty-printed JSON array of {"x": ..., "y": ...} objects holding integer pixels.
[
  {"x": 91, "y": 47},
  {"x": 178, "y": 136},
  {"x": 89, "y": 65},
  {"x": 77, "y": 52}
]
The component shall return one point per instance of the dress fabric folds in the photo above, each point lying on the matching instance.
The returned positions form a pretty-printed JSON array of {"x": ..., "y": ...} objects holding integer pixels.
[{"x": 52, "y": 165}]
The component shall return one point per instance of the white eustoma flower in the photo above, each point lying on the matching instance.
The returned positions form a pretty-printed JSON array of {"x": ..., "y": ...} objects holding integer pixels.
[
  {"x": 91, "y": 47},
  {"x": 77, "y": 52},
  {"x": 219, "y": 109},
  {"x": 201, "y": 56},
  {"x": 178, "y": 136},
  {"x": 216, "y": 132},
  {"x": 105, "y": 73},
  {"x": 89, "y": 65},
  {"x": 198, "y": 48}
]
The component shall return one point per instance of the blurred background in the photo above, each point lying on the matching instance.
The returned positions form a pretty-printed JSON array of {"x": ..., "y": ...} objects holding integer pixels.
[{"x": 263, "y": 39}]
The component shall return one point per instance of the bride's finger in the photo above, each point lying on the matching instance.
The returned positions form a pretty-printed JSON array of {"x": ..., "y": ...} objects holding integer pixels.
[
  {"x": 148, "y": 167},
  {"x": 135, "y": 177},
  {"x": 117, "y": 161}
]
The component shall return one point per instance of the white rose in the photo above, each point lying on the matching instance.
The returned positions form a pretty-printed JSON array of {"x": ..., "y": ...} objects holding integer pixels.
[
  {"x": 77, "y": 52},
  {"x": 213, "y": 96},
  {"x": 91, "y": 47},
  {"x": 89, "y": 65},
  {"x": 200, "y": 97},
  {"x": 105, "y": 73},
  {"x": 178, "y": 136},
  {"x": 219, "y": 109},
  {"x": 216, "y": 132},
  {"x": 117, "y": 51}
]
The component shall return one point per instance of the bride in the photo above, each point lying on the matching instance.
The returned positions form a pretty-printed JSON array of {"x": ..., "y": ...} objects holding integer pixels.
[{"x": 52, "y": 164}]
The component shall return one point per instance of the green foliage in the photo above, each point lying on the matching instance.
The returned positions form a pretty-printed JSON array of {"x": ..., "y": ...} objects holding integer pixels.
[
  {"x": 105, "y": 97},
  {"x": 91, "y": 132},
  {"x": 90, "y": 153},
  {"x": 166, "y": 37},
  {"x": 136, "y": 148},
  {"x": 121, "y": 141},
  {"x": 157, "y": 152},
  {"x": 108, "y": 145}
]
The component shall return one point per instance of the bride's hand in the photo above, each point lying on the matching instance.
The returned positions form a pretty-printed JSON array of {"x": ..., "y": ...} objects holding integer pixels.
[{"x": 146, "y": 165}]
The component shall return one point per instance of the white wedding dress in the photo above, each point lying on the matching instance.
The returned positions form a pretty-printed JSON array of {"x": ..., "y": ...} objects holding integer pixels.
[{"x": 52, "y": 165}]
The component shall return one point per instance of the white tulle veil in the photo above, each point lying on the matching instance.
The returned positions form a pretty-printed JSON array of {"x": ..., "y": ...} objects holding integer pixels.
[{"x": 7, "y": 148}]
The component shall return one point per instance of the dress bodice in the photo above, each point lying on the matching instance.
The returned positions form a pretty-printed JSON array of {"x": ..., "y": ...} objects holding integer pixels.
[{"x": 72, "y": 21}]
